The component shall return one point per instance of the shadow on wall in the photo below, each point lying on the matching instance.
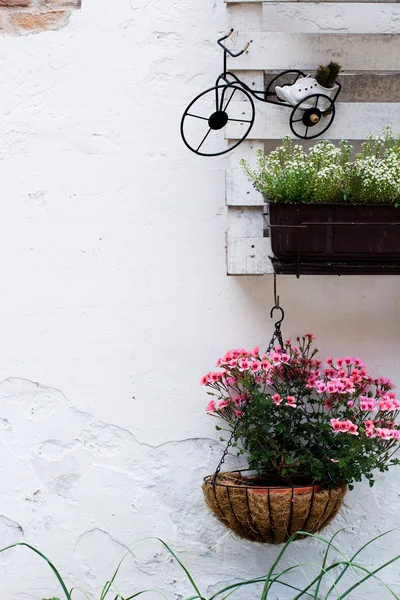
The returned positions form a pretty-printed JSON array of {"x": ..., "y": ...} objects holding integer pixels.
[{"x": 22, "y": 17}]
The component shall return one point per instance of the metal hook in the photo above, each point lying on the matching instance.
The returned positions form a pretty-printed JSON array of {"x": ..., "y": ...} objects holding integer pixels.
[{"x": 278, "y": 323}]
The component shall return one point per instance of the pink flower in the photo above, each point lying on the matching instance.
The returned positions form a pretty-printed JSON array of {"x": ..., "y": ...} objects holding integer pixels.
[
  {"x": 244, "y": 364},
  {"x": 353, "y": 428},
  {"x": 233, "y": 363},
  {"x": 348, "y": 360},
  {"x": 231, "y": 380},
  {"x": 204, "y": 380},
  {"x": 291, "y": 401},
  {"x": 329, "y": 373},
  {"x": 276, "y": 358},
  {"x": 310, "y": 336},
  {"x": 387, "y": 404},
  {"x": 331, "y": 387},
  {"x": 214, "y": 377},
  {"x": 255, "y": 366},
  {"x": 238, "y": 400},
  {"x": 320, "y": 386},
  {"x": 255, "y": 352},
  {"x": 329, "y": 361},
  {"x": 211, "y": 408},
  {"x": 266, "y": 365},
  {"x": 223, "y": 404},
  {"x": 370, "y": 433},
  {"x": 239, "y": 413},
  {"x": 276, "y": 399},
  {"x": 344, "y": 426},
  {"x": 288, "y": 342},
  {"x": 334, "y": 461},
  {"x": 350, "y": 404},
  {"x": 369, "y": 424},
  {"x": 335, "y": 423},
  {"x": 383, "y": 433},
  {"x": 285, "y": 358},
  {"x": 311, "y": 382}
]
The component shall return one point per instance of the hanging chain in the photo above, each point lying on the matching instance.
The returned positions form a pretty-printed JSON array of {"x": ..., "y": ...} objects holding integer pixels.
[
  {"x": 277, "y": 337},
  {"x": 229, "y": 444}
]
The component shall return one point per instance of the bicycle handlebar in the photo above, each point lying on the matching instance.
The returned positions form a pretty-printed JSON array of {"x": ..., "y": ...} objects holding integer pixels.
[{"x": 233, "y": 54}]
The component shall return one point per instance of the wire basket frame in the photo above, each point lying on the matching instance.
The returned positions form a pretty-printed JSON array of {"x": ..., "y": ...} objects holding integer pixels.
[{"x": 271, "y": 513}]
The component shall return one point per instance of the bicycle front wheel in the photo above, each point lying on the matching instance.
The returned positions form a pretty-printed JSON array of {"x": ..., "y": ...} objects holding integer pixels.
[{"x": 205, "y": 120}]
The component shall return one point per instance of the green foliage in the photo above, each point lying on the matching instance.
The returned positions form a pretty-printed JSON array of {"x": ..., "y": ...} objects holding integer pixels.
[
  {"x": 328, "y": 173},
  {"x": 323, "y": 76},
  {"x": 329, "y": 579},
  {"x": 328, "y": 74}
]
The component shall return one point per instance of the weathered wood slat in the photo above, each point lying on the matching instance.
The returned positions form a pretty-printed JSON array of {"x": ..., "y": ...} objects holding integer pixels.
[
  {"x": 246, "y": 221},
  {"x": 240, "y": 191},
  {"x": 354, "y": 121},
  {"x": 325, "y": 17},
  {"x": 248, "y": 256},
  {"x": 355, "y": 52},
  {"x": 362, "y": 87}
]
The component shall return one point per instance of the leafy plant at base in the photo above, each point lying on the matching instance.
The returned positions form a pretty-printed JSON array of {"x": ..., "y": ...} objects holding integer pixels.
[
  {"x": 328, "y": 173},
  {"x": 323, "y": 586},
  {"x": 293, "y": 417}
]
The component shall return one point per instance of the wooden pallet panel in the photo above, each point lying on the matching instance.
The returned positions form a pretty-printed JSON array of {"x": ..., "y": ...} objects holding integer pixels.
[
  {"x": 354, "y": 121},
  {"x": 279, "y": 51}
]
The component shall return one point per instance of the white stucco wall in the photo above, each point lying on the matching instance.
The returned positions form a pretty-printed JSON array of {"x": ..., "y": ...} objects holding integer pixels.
[{"x": 114, "y": 301}]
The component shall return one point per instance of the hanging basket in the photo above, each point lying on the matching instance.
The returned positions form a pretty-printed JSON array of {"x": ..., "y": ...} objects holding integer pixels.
[{"x": 262, "y": 511}]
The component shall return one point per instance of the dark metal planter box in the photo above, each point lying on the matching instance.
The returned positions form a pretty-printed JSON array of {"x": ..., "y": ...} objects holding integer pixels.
[{"x": 327, "y": 233}]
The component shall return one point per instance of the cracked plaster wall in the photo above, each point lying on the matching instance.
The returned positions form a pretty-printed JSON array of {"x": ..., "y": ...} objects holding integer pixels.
[{"x": 114, "y": 299}]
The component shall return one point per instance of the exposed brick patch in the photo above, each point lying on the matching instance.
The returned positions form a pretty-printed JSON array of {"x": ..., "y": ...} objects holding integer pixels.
[
  {"x": 15, "y": 2},
  {"x": 36, "y": 22},
  {"x": 22, "y": 17},
  {"x": 60, "y": 4}
]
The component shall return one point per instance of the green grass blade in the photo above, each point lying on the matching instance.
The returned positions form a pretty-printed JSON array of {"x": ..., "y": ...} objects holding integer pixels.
[
  {"x": 108, "y": 584},
  {"x": 283, "y": 551},
  {"x": 370, "y": 574},
  {"x": 151, "y": 591},
  {"x": 237, "y": 585},
  {"x": 324, "y": 563},
  {"x": 315, "y": 581},
  {"x": 53, "y": 568},
  {"x": 78, "y": 589},
  {"x": 180, "y": 563},
  {"x": 355, "y": 556},
  {"x": 322, "y": 574},
  {"x": 293, "y": 587}
]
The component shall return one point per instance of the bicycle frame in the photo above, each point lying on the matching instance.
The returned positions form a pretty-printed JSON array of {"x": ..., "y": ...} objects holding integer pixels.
[{"x": 262, "y": 95}]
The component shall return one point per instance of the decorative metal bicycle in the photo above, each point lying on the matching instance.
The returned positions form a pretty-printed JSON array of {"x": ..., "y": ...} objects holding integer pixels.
[{"x": 204, "y": 120}]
